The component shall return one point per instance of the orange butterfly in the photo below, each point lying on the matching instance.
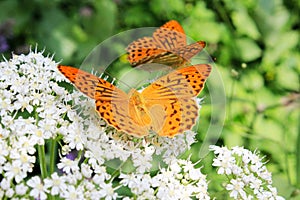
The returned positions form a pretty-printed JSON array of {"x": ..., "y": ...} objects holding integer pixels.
[
  {"x": 166, "y": 107},
  {"x": 167, "y": 46}
]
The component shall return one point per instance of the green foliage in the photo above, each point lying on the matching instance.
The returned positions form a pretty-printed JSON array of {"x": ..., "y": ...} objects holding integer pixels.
[{"x": 255, "y": 43}]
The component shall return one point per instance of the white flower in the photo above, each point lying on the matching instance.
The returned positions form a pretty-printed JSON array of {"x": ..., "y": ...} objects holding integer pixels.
[
  {"x": 92, "y": 161},
  {"x": 3, "y": 152},
  {"x": 264, "y": 174},
  {"x": 48, "y": 126},
  {"x": 171, "y": 191},
  {"x": 141, "y": 184},
  {"x": 26, "y": 161},
  {"x": 255, "y": 185},
  {"x": 101, "y": 173},
  {"x": 201, "y": 190},
  {"x": 98, "y": 179},
  {"x": 39, "y": 136},
  {"x": 65, "y": 150},
  {"x": 164, "y": 176},
  {"x": 177, "y": 184},
  {"x": 173, "y": 147},
  {"x": 219, "y": 150},
  {"x": 107, "y": 191},
  {"x": 73, "y": 178},
  {"x": 165, "y": 184},
  {"x": 56, "y": 183},
  {"x": 5, "y": 184},
  {"x": 72, "y": 193},
  {"x": 128, "y": 180},
  {"x": 224, "y": 163},
  {"x": 5, "y": 104},
  {"x": 86, "y": 170},
  {"x": 147, "y": 194},
  {"x": 68, "y": 165},
  {"x": 9, "y": 193},
  {"x": 28, "y": 85},
  {"x": 38, "y": 190},
  {"x": 14, "y": 170},
  {"x": 73, "y": 137},
  {"x": 25, "y": 145},
  {"x": 23, "y": 103},
  {"x": 237, "y": 189},
  {"x": 142, "y": 160},
  {"x": 249, "y": 172},
  {"x": 190, "y": 137},
  {"x": 190, "y": 172},
  {"x": 21, "y": 189}
]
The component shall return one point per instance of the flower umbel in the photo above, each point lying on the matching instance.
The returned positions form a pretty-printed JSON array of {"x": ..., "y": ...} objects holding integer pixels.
[
  {"x": 36, "y": 110},
  {"x": 174, "y": 182},
  {"x": 39, "y": 117},
  {"x": 246, "y": 172}
]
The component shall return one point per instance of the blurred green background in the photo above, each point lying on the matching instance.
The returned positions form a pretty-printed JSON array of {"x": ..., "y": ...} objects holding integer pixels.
[{"x": 255, "y": 44}]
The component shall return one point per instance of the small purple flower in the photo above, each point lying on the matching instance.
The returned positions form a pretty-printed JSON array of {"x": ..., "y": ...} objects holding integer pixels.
[
  {"x": 72, "y": 155},
  {"x": 3, "y": 44}
]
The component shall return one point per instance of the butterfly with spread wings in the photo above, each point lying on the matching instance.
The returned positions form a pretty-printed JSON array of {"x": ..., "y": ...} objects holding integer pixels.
[
  {"x": 167, "y": 106},
  {"x": 167, "y": 46}
]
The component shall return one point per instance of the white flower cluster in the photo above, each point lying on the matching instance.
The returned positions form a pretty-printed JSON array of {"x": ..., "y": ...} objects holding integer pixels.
[
  {"x": 181, "y": 180},
  {"x": 248, "y": 176},
  {"x": 36, "y": 110},
  {"x": 84, "y": 182},
  {"x": 140, "y": 152},
  {"x": 40, "y": 119},
  {"x": 25, "y": 96}
]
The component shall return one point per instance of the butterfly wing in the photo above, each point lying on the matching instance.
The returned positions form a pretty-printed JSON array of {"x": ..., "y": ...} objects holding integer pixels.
[
  {"x": 173, "y": 117},
  {"x": 167, "y": 37},
  {"x": 111, "y": 103},
  {"x": 167, "y": 46},
  {"x": 169, "y": 100},
  {"x": 116, "y": 113},
  {"x": 174, "y": 94},
  {"x": 187, "y": 52},
  {"x": 170, "y": 36},
  {"x": 143, "y": 49},
  {"x": 91, "y": 85},
  {"x": 182, "y": 83},
  {"x": 176, "y": 57},
  {"x": 173, "y": 25}
]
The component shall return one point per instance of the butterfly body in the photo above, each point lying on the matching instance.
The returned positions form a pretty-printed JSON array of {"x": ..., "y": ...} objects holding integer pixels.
[
  {"x": 137, "y": 108},
  {"x": 166, "y": 107},
  {"x": 167, "y": 46}
]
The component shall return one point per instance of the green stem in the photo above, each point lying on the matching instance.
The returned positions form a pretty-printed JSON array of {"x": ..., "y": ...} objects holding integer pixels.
[
  {"x": 43, "y": 164},
  {"x": 52, "y": 155},
  {"x": 42, "y": 160}
]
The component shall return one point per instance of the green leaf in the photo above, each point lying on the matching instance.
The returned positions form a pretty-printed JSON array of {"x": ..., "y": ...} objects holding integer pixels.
[
  {"x": 248, "y": 49},
  {"x": 252, "y": 81},
  {"x": 244, "y": 24},
  {"x": 286, "y": 78}
]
